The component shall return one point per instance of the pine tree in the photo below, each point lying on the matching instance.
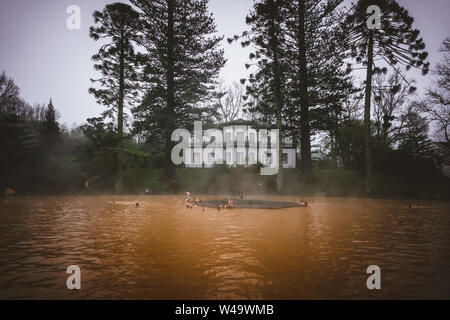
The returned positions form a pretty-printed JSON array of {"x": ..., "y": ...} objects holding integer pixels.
[
  {"x": 117, "y": 62},
  {"x": 182, "y": 63},
  {"x": 318, "y": 79},
  {"x": 267, "y": 84},
  {"x": 50, "y": 127},
  {"x": 50, "y": 132},
  {"x": 299, "y": 66},
  {"x": 395, "y": 42}
]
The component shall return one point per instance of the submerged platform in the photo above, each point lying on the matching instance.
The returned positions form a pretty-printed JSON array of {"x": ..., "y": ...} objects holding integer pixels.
[{"x": 251, "y": 204}]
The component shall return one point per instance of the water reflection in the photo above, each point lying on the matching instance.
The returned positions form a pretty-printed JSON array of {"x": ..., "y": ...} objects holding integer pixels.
[{"x": 163, "y": 251}]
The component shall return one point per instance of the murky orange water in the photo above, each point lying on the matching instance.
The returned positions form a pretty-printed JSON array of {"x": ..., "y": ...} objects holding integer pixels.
[{"x": 164, "y": 251}]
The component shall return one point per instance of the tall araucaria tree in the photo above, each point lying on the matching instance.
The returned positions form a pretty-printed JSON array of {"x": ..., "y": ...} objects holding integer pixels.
[
  {"x": 298, "y": 52},
  {"x": 267, "y": 85},
  {"x": 116, "y": 27},
  {"x": 393, "y": 40},
  {"x": 318, "y": 79},
  {"x": 182, "y": 62}
]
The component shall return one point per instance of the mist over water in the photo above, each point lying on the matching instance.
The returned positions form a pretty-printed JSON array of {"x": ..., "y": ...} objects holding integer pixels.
[{"x": 163, "y": 251}]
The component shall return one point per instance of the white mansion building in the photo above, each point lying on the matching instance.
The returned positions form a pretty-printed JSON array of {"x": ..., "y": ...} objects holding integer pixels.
[{"x": 242, "y": 145}]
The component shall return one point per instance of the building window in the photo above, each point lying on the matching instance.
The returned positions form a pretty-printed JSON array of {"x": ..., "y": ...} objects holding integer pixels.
[
  {"x": 211, "y": 157},
  {"x": 252, "y": 137},
  {"x": 196, "y": 157},
  {"x": 240, "y": 157},
  {"x": 285, "y": 158},
  {"x": 240, "y": 137}
]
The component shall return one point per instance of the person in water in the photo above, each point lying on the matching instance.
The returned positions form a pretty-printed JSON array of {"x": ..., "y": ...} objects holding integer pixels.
[
  {"x": 10, "y": 192},
  {"x": 302, "y": 203},
  {"x": 187, "y": 200},
  {"x": 188, "y": 205},
  {"x": 417, "y": 206},
  {"x": 230, "y": 203}
]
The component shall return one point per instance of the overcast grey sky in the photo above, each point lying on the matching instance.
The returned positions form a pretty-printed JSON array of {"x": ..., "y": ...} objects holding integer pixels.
[{"x": 47, "y": 60}]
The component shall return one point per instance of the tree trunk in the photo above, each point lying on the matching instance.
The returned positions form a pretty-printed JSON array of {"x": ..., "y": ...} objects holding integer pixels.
[
  {"x": 278, "y": 95},
  {"x": 169, "y": 169},
  {"x": 446, "y": 133},
  {"x": 280, "y": 152},
  {"x": 305, "y": 133},
  {"x": 120, "y": 118},
  {"x": 368, "y": 98},
  {"x": 334, "y": 149}
]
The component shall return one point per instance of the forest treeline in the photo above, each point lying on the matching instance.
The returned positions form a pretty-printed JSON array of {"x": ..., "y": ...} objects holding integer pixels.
[{"x": 161, "y": 60}]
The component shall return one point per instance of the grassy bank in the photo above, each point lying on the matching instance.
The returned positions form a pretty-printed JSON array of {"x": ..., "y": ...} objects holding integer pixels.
[{"x": 328, "y": 182}]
